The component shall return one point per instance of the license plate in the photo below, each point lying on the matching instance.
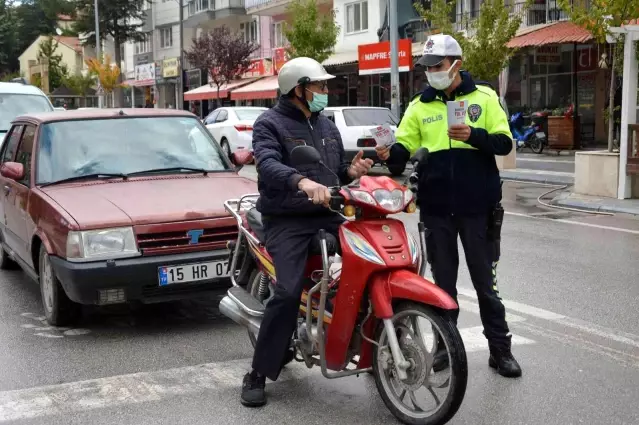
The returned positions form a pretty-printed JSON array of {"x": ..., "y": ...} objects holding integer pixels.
[
  {"x": 541, "y": 135},
  {"x": 186, "y": 273}
]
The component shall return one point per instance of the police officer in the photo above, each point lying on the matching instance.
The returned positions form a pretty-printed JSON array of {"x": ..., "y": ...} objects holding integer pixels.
[
  {"x": 459, "y": 186},
  {"x": 290, "y": 220}
]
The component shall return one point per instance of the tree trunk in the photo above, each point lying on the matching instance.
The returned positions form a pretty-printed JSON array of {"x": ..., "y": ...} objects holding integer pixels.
[
  {"x": 118, "y": 99},
  {"x": 611, "y": 100}
]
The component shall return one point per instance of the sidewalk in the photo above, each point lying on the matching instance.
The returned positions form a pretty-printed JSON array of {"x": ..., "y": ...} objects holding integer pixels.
[
  {"x": 594, "y": 203},
  {"x": 539, "y": 176}
]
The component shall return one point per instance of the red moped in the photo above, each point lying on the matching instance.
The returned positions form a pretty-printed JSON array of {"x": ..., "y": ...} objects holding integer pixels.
[{"x": 373, "y": 310}]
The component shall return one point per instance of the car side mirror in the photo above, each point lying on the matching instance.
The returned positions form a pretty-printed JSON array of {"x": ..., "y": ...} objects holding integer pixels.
[
  {"x": 242, "y": 157},
  {"x": 12, "y": 170},
  {"x": 301, "y": 155}
]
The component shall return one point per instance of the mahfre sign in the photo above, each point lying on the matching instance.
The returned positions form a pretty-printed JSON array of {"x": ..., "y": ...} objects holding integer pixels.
[{"x": 375, "y": 58}]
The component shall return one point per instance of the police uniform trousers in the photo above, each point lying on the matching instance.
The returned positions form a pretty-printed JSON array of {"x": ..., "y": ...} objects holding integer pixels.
[
  {"x": 287, "y": 241},
  {"x": 481, "y": 258}
]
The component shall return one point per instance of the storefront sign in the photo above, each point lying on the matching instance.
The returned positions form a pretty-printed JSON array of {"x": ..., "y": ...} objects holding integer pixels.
[
  {"x": 194, "y": 78},
  {"x": 259, "y": 68},
  {"x": 548, "y": 55},
  {"x": 145, "y": 72},
  {"x": 158, "y": 72},
  {"x": 170, "y": 68},
  {"x": 376, "y": 58},
  {"x": 587, "y": 59},
  {"x": 280, "y": 57}
]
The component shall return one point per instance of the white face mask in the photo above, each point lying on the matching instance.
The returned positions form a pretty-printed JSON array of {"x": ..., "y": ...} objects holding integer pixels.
[{"x": 441, "y": 80}]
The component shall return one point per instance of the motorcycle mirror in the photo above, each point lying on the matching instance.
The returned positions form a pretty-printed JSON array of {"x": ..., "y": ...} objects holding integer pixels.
[
  {"x": 301, "y": 155},
  {"x": 420, "y": 155}
]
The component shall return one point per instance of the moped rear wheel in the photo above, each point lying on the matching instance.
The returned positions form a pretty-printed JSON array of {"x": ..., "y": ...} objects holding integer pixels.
[{"x": 424, "y": 397}]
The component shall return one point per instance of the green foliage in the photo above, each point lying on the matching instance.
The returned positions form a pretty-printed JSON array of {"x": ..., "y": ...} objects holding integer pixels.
[
  {"x": 57, "y": 70},
  {"x": 598, "y": 16},
  {"x": 8, "y": 38},
  {"x": 484, "y": 46},
  {"x": 79, "y": 84},
  {"x": 311, "y": 33}
]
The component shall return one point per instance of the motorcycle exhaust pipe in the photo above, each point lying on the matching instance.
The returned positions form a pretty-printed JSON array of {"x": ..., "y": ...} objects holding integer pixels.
[{"x": 230, "y": 309}]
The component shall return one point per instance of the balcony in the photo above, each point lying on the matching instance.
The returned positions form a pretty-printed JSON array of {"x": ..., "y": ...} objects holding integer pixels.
[
  {"x": 271, "y": 7},
  {"x": 197, "y": 12}
]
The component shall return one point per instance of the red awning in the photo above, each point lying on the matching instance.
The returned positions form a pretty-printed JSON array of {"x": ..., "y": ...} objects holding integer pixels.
[
  {"x": 557, "y": 33},
  {"x": 208, "y": 91},
  {"x": 265, "y": 88}
]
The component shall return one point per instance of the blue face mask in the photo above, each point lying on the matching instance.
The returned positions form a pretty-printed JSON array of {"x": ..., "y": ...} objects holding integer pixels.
[{"x": 319, "y": 102}]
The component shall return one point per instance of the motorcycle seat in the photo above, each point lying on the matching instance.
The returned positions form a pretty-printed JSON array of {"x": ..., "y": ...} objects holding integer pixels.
[{"x": 254, "y": 220}]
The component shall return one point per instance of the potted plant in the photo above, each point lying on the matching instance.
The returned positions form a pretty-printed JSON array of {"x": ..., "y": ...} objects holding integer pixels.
[{"x": 563, "y": 129}]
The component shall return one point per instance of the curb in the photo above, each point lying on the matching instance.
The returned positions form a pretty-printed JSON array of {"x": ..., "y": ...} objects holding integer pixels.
[
  {"x": 566, "y": 201},
  {"x": 538, "y": 176}
]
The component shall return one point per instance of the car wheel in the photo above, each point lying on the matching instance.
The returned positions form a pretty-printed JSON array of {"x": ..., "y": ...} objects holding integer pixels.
[
  {"x": 227, "y": 149},
  {"x": 397, "y": 170},
  {"x": 6, "y": 263},
  {"x": 59, "y": 310}
]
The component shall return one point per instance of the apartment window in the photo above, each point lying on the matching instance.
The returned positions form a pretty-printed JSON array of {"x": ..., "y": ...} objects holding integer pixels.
[
  {"x": 357, "y": 17},
  {"x": 196, "y": 6},
  {"x": 166, "y": 37},
  {"x": 249, "y": 31},
  {"x": 278, "y": 34},
  {"x": 143, "y": 46}
]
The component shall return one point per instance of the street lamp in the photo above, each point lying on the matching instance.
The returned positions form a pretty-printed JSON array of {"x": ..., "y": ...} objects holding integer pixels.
[{"x": 394, "y": 71}]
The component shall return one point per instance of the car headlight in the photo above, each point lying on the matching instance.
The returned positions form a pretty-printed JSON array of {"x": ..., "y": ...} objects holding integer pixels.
[
  {"x": 101, "y": 244},
  {"x": 392, "y": 201}
]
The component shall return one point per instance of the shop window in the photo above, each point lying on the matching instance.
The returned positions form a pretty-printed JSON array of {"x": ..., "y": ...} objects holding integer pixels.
[
  {"x": 538, "y": 92},
  {"x": 357, "y": 17},
  {"x": 560, "y": 90},
  {"x": 166, "y": 37},
  {"x": 564, "y": 66}
]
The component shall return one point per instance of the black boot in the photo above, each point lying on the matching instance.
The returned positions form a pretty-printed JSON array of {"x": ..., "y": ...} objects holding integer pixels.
[
  {"x": 502, "y": 359},
  {"x": 253, "y": 394}
]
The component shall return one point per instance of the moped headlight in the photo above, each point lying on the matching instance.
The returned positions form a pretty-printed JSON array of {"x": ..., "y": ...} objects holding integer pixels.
[
  {"x": 101, "y": 244},
  {"x": 391, "y": 201},
  {"x": 362, "y": 196}
]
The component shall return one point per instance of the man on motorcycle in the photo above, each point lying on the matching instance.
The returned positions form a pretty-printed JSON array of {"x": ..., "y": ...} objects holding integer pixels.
[
  {"x": 290, "y": 220},
  {"x": 459, "y": 189}
]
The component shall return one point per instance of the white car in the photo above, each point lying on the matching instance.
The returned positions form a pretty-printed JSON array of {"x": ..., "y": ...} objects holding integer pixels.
[
  {"x": 355, "y": 124},
  {"x": 18, "y": 98},
  {"x": 232, "y": 127}
]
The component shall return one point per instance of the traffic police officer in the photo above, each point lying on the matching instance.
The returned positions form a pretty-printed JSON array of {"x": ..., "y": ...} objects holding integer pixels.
[{"x": 459, "y": 186}]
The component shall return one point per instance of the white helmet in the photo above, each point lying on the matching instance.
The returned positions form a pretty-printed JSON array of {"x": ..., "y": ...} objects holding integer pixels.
[{"x": 301, "y": 71}]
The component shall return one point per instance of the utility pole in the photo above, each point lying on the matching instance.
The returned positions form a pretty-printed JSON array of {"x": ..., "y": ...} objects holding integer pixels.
[
  {"x": 394, "y": 72},
  {"x": 98, "y": 50},
  {"x": 180, "y": 99}
]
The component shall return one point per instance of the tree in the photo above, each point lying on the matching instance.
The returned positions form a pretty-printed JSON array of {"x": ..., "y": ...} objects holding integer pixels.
[
  {"x": 8, "y": 38},
  {"x": 57, "y": 70},
  {"x": 120, "y": 20},
  {"x": 80, "y": 84},
  {"x": 485, "y": 47},
  {"x": 223, "y": 54},
  {"x": 311, "y": 34},
  {"x": 106, "y": 72},
  {"x": 598, "y": 16}
]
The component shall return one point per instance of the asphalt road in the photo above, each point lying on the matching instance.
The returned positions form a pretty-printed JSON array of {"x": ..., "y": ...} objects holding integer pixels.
[
  {"x": 569, "y": 281},
  {"x": 546, "y": 162}
]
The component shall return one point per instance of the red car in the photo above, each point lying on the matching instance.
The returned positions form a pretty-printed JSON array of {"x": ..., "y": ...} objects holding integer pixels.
[{"x": 108, "y": 206}]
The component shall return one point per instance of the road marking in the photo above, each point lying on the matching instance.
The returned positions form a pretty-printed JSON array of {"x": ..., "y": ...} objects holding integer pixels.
[
  {"x": 466, "y": 305},
  {"x": 144, "y": 387},
  {"x": 561, "y": 220},
  {"x": 580, "y": 325}
]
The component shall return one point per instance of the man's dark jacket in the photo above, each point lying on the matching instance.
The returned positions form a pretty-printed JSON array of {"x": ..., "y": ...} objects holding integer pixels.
[
  {"x": 275, "y": 133},
  {"x": 458, "y": 181}
]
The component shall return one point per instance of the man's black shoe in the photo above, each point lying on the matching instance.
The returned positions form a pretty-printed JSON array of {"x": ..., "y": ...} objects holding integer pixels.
[
  {"x": 440, "y": 361},
  {"x": 504, "y": 362},
  {"x": 253, "y": 394}
]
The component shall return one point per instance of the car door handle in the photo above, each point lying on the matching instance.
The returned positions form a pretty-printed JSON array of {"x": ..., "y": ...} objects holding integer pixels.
[{"x": 7, "y": 189}]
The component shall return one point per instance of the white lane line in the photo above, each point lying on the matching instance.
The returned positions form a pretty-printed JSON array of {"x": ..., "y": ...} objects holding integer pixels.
[
  {"x": 472, "y": 307},
  {"x": 578, "y": 223},
  {"x": 580, "y": 325},
  {"x": 147, "y": 387}
]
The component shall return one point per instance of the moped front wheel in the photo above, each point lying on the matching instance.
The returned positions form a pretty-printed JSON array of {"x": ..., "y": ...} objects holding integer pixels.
[{"x": 425, "y": 397}]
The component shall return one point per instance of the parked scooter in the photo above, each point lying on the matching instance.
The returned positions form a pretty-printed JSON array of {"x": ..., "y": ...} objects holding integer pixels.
[
  {"x": 532, "y": 136},
  {"x": 371, "y": 307}
]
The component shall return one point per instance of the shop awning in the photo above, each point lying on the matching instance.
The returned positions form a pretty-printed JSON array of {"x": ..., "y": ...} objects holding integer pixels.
[
  {"x": 343, "y": 58},
  {"x": 556, "y": 33},
  {"x": 208, "y": 91},
  {"x": 138, "y": 83},
  {"x": 265, "y": 88}
]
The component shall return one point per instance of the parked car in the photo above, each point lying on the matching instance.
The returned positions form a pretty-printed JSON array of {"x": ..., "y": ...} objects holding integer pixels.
[
  {"x": 17, "y": 98},
  {"x": 233, "y": 126},
  {"x": 355, "y": 124},
  {"x": 108, "y": 206}
]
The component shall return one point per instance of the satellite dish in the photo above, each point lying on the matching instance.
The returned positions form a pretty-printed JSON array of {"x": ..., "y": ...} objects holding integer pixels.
[{"x": 58, "y": 31}]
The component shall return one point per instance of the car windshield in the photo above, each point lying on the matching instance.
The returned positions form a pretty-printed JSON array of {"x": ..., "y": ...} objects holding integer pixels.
[
  {"x": 13, "y": 105},
  {"x": 72, "y": 149},
  {"x": 248, "y": 114},
  {"x": 368, "y": 116}
]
